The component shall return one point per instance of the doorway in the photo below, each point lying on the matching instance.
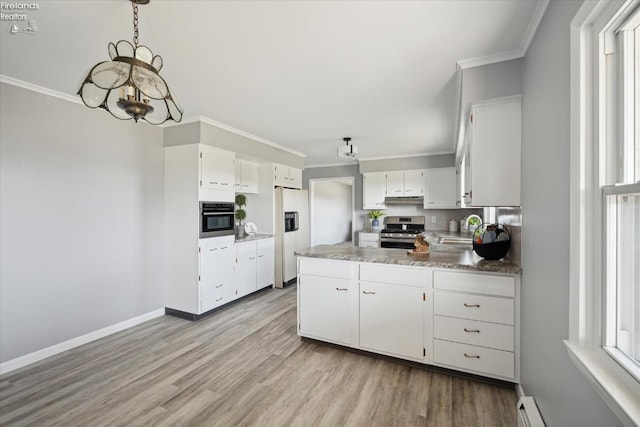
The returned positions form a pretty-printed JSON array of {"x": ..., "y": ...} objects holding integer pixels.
[{"x": 331, "y": 210}]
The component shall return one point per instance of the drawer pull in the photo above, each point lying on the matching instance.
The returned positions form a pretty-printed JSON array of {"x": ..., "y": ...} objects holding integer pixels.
[
  {"x": 368, "y": 293},
  {"x": 472, "y": 330},
  {"x": 342, "y": 289},
  {"x": 220, "y": 299},
  {"x": 219, "y": 286},
  {"x": 472, "y": 305},
  {"x": 472, "y": 356}
]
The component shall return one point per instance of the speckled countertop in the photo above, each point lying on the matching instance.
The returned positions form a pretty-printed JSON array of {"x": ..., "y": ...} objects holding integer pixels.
[
  {"x": 438, "y": 257},
  {"x": 248, "y": 238}
]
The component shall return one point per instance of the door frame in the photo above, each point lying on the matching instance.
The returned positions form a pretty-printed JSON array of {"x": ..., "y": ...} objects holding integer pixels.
[{"x": 312, "y": 211}]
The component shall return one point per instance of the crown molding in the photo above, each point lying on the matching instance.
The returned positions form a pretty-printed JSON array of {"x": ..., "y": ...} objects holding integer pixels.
[
  {"x": 520, "y": 52},
  {"x": 330, "y": 165},
  {"x": 403, "y": 156},
  {"x": 40, "y": 89}
]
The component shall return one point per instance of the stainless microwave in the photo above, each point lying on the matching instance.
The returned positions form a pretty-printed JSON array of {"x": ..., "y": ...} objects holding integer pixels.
[{"x": 216, "y": 219}]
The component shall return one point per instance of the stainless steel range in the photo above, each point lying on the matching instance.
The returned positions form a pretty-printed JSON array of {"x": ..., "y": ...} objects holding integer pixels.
[{"x": 401, "y": 231}]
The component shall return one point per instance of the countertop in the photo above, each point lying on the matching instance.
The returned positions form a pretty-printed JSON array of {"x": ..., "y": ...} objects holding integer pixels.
[
  {"x": 439, "y": 256},
  {"x": 249, "y": 238}
]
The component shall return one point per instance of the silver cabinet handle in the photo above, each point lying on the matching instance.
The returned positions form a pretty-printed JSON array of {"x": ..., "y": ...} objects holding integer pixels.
[
  {"x": 219, "y": 286},
  {"x": 368, "y": 293},
  {"x": 472, "y": 330},
  {"x": 252, "y": 257},
  {"x": 213, "y": 249},
  {"x": 224, "y": 247},
  {"x": 224, "y": 183},
  {"x": 472, "y": 356},
  {"x": 398, "y": 191},
  {"x": 213, "y": 182},
  {"x": 430, "y": 203},
  {"x": 260, "y": 256},
  {"x": 472, "y": 305},
  {"x": 220, "y": 299},
  {"x": 342, "y": 289}
]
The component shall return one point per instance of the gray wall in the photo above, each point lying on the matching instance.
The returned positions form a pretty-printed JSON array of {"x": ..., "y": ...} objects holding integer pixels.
[
  {"x": 491, "y": 81},
  {"x": 408, "y": 163},
  {"x": 244, "y": 147},
  {"x": 562, "y": 394},
  {"x": 81, "y": 202}
]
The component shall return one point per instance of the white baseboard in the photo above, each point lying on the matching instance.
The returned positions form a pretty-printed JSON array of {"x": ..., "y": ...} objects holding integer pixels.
[
  {"x": 36, "y": 356},
  {"x": 519, "y": 391}
]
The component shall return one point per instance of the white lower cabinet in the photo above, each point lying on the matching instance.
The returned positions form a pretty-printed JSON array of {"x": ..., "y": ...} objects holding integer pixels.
[
  {"x": 254, "y": 265},
  {"x": 476, "y": 323},
  {"x": 320, "y": 296},
  {"x": 391, "y": 319},
  {"x": 465, "y": 321}
]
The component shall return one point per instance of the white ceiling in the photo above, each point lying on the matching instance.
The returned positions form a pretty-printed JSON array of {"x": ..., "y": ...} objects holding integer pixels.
[{"x": 302, "y": 74}]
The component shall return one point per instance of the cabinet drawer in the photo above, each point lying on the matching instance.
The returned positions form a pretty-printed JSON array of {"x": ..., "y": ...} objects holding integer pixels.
[
  {"x": 217, "y": 286},
  {"x": 483, "y": 334},
  {"x": 475, "y": 307},
  {"x": 478, "y": 359},
  {"x": 325, "y": 268},
  {"x": 368, "y": 244},
  {"x": 216, "y": 299},
  {"x": 369, "y": 237},
  {"x": 400, "y": 275},
  {"x": 245, "y": 247},
  {"x": 478, "y": 283}
]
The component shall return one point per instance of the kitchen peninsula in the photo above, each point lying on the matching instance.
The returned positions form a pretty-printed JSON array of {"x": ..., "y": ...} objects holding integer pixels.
[{"x": 449, "y": 308}]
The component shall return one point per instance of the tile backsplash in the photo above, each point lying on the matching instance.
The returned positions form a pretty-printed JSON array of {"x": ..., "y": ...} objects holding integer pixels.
[
  {"x": 512, "y": 219},
  {"x": 442, "y": 216}
]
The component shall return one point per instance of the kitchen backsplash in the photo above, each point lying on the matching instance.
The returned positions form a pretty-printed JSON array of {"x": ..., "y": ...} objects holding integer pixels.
[
  {"x": 442, "y": 216},
  {"x": 512, "y": 219}
]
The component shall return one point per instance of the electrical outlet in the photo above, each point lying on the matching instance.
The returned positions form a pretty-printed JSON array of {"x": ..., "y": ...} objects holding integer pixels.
[{"x": 433, "y": 219}]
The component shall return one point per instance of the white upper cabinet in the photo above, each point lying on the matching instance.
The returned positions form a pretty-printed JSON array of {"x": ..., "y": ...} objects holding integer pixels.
[
  {"x": 440, "y": 188},
  {"x": 413, "y": 183},
  {"x": 395, "y": 183},
  {"x": 246, "y": 177},
  {"x": 405, "y": 183},
  {"x": 493, "y": 159},
  {"x": 374, "y": 189},
  {"x": 217, "y": 174},
  {"x": 287, "y": 176}
]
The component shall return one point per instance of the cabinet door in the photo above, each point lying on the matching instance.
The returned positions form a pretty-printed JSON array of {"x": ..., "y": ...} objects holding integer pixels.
[
  {"x": 246, "y": 272},
  {"x": 217, "y": 257},
  {"x": 374, "y": 186},
  {"x": 295, "y": 178},
  {"x": 440, "y": 188},
  {"x": 325, "y": 308},
  {"x": 391, "y": 319},
  {"x": 495, "y": 153},
  {"x": 238, "y": 182},
  {"x": 265, "y": 258},
  {"x": 414, "y": 183},
  {"x": 249, "y": 171},
  {"x": 217, "y": 168},
  {"x": 395, "y": 184}
]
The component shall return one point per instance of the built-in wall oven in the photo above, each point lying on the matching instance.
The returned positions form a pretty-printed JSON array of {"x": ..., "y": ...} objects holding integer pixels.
[{"x": 216, "y": 219}]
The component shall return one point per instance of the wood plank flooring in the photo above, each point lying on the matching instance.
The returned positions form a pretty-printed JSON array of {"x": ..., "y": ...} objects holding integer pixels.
[{"x": 242, "y": 366}]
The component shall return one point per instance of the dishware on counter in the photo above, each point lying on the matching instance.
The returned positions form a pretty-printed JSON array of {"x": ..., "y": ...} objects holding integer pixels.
[
  {"x": 491, "y": 241},
  {"x": 250, "y": 228},
  {"x": 453, "y": 225}
]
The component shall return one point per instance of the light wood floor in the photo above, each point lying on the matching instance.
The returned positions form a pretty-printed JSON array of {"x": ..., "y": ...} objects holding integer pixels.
[{"x": 242, "y": 366}]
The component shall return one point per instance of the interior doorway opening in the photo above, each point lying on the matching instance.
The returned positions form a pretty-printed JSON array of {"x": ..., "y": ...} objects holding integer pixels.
[{"x": 331, "y": 210}]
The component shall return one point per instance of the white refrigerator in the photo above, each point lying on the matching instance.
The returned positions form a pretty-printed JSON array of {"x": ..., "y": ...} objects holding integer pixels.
[{"x": 287, "y": 242}]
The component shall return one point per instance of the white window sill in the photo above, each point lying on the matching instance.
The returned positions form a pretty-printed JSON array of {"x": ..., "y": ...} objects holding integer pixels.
[{"x": 616, "y": 386}]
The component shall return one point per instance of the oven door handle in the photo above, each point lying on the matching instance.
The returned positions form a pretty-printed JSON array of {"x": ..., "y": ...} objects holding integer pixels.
[{"x": 216, "y": 213}]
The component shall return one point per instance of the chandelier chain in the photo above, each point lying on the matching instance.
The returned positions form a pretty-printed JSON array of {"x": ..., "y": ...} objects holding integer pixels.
[{"x": 135, "y": 23}]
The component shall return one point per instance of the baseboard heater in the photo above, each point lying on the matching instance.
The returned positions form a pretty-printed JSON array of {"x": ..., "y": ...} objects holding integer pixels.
[{"x": 528, "y": 414}]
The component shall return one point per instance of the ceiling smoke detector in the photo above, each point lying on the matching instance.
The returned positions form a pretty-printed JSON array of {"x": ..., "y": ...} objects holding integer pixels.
[{"x": 348, "y": 150}]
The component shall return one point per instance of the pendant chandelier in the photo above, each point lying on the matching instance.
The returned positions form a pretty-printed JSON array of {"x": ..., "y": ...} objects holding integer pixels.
[{"x": 129, "y": 86}]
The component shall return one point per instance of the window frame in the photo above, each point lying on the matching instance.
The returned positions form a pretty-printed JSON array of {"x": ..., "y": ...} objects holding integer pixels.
[{"x": 587, "y": 311}]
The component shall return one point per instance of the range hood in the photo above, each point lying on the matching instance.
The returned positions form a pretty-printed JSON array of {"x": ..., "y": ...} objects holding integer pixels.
[{"x": 408, "y": 200}]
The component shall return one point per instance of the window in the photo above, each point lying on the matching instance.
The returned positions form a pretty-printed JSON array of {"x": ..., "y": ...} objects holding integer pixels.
[
  {"x": 604, "y": 329},
  {"x": 620, "y": 187}
]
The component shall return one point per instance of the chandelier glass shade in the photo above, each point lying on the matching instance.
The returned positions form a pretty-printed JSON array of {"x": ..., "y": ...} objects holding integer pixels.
[{"x": 129, "y": 86}]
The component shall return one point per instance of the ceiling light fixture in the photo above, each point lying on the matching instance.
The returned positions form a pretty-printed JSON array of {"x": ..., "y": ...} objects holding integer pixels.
[
  {"x": 347, "y": 150},
  {"x": 129, "y": 86}
]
